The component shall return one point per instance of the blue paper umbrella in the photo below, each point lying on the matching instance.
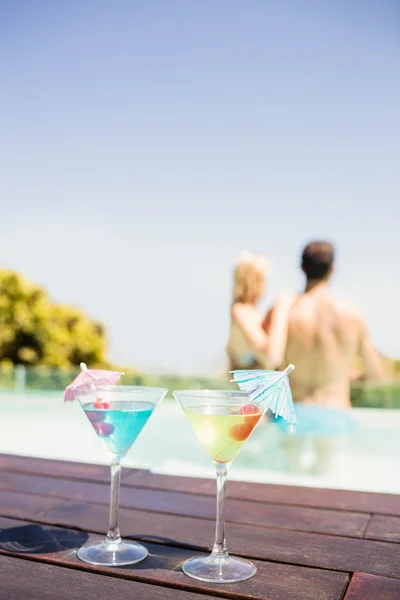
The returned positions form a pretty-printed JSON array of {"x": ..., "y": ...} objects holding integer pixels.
[{"x": 269, "y": 389}]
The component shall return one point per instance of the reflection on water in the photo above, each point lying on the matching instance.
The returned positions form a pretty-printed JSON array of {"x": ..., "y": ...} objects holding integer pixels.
[{"x": 316, "y": 434}]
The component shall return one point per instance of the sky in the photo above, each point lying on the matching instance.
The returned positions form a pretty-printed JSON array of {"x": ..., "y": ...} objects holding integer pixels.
[{"x": 146, "y": 144}]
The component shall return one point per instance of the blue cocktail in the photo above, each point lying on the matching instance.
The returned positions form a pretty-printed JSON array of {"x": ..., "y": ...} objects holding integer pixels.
[
  {"x": 119, "y": 424},
  {"x": 118, "y": 414}
]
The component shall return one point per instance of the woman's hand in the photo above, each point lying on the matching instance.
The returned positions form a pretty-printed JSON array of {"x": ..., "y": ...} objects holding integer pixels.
[
  {"x": 247, "y": 318},
  {"x": 276, "y": 324},
  {"x": 285, "y": 301}
]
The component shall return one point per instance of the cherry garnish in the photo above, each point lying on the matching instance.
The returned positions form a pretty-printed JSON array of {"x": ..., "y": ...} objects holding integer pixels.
[
  {"x": 249, "y": 409},
  {"x": 252, "y": 414},
  {"x": 103, "y": 429},
  {"x": 240, "y": 432},
  {"x": 101, "y": 403},
  {"x": 95, "y": 416}
]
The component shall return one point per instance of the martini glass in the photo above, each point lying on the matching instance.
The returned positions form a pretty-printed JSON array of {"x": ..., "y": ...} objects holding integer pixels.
[
  {"x": 222, "y": 420},
  {"x": 118, "y": 414}
]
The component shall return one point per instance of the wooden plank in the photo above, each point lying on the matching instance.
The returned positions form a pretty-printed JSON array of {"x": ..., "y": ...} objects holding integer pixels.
[
  {"x": 314, "y": 550},
  {"x": 239, "y": 511},
  {"x": 28, "y": 580},
  {"x": 368, "y": 502},
  {"x": 278, "y": 582},
  {"x": 383, "y": 528},
  {"x": 33, "y": 539},
  {"x": 369, "y": 587},
  {"x": 18, "y": 505},
  {"x": 263, "y": 543},
  {"x": 56, "y": 468}
]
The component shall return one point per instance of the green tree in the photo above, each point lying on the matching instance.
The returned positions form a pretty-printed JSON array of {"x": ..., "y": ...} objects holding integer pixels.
[{"x": 34, "y": 330}]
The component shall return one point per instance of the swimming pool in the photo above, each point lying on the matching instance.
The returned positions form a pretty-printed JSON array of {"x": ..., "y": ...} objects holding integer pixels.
[{"x": 42, "y": 425}]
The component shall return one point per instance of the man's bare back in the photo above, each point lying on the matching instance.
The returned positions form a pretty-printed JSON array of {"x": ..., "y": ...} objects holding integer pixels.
[{"x": 325, "y": 337}]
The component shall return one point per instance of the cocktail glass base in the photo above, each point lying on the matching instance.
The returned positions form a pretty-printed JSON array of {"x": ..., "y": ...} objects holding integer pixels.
[
  {"x": 227, "y": 569},
  {"x": 115, "y": 554}
]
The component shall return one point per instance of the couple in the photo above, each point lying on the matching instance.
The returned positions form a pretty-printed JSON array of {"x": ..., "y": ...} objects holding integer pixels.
[{"x": 321, "y": 335}]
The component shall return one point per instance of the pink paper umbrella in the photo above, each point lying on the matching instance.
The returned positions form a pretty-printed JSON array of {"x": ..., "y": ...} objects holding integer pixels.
[{"x": 96, "y": 377}]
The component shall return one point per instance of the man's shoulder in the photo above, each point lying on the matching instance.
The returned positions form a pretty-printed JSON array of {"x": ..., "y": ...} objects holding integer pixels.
[{"x": 347, "y": 308}]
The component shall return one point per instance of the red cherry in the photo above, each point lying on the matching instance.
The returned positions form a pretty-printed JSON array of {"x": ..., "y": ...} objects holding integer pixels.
[
  {"x": 95, "y": 416},
  {"x": 99, "y": 403},
  {"x": 106, "y": 404},
  {"x": 252, "y": 420},
  {"x": 249, "y": 409},
  {"x": 240, "y": 432},
  {"x": 252, "y": 413},
  {"x": 103, "y": 429}
]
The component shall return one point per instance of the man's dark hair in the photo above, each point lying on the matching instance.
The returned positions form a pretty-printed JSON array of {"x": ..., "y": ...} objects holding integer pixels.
[{"x": 317, "y": 260}]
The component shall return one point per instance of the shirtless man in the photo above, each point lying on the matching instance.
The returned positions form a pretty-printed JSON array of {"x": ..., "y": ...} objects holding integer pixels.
[{"x": 325, "y": 336}]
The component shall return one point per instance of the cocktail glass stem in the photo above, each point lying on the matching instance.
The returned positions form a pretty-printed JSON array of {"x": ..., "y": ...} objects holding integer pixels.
[
  {"x": 221, "y": 426},
  {"x": 219, "y": 548},
  {"x": 113, "y": 535},
  {"x": 118, "y": 414}
]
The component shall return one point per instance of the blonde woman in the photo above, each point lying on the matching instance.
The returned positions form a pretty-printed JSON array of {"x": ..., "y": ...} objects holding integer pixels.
[{"x": 249, "y": 347}]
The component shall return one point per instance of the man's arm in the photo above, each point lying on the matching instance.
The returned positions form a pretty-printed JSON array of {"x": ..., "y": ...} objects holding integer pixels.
[{"x": 369, "y": 356}]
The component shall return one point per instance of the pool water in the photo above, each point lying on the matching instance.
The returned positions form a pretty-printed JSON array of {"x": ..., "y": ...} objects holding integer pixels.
[{"x": 42, "y": 425}]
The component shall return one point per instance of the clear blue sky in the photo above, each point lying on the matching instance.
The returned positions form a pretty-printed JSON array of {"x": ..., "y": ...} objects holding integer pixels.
[{"x": 145, "y": 144}]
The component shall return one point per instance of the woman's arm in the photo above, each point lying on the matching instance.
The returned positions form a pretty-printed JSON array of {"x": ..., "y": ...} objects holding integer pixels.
[
  {"x": 249, "y": 322},
  {"x": 276, "y": 326}
]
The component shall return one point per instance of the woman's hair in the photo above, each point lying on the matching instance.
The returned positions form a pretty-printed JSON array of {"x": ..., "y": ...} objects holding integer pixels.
[{"x": 249, "y": 277}]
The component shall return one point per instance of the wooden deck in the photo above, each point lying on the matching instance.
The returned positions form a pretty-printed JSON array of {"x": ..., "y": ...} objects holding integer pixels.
[{"x": 308, "y": 544}]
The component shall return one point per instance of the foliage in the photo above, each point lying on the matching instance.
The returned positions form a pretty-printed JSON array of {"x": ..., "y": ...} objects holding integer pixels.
[
  {"x": 391, "y": 366},
  {"x": 177, "y": 382},
  {"x": 385, "y": 395},
  {"x": 34, "y": 330}
]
